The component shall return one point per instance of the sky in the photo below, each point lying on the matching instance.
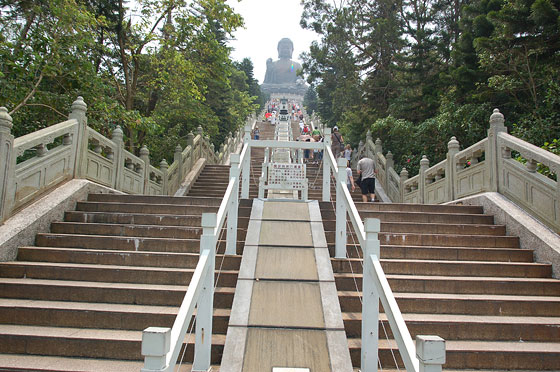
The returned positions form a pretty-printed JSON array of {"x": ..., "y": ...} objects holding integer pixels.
[{"x": 266, "y": 22}]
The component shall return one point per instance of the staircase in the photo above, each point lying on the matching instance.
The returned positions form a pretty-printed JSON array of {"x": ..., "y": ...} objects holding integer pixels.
[
  {"x": 79, "y": 299},
  {"x": 457, "y": 275}
]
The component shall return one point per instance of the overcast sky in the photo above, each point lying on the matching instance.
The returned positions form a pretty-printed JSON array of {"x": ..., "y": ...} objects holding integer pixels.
[{"x": 266, "y": 22}]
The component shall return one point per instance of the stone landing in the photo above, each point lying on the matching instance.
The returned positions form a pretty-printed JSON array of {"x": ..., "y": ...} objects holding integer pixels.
[{"x": 285, "y": 311}]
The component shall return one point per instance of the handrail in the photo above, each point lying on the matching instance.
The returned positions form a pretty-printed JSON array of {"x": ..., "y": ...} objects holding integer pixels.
[
  {"x": 161, "y": 346},
  {"x": 369, "y": 243}
]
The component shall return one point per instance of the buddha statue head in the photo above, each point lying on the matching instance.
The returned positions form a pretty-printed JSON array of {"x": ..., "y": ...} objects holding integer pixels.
[{"x": 285, "y": 48}]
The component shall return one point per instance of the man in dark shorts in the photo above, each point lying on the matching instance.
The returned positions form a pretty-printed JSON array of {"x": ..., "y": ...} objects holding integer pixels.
[{"x": 366, "y": 168}]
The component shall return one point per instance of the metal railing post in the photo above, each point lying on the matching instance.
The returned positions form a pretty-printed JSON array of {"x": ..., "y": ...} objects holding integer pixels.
[
  {"x": 430, "y": 351},
  {"x": 370, "y": 299},
  {"x": 246, "y": 166},
  {"x": 156, "y": 343},
  {"x": 203, "y": 336},
  {"x": 231, "y": 243},
  {"x": 340, "y": 243},
  {"x": 326, "y": 167}
]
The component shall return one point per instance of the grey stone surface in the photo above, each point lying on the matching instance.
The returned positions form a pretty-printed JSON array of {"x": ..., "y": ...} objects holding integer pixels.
[
  {"x": 286, "y": 263},
  {"x": 324, "y": 267},
  {"x": 314, "y": 211},
  {"x": 191, "y": 178},
  {"x": 234, "y": 349},
  {"x": 287, "y": 211},
  {"x": 331, "y": 306},
  {"x": 338, "y": 351},
  {"x": 532, "y": 234},
  {"x": 21, "y": 228},
  {"x": 257, "y": 209},
  {"x": 285, "y": 233},
  {"x": 239, "y": 316},
  {"x": 248, "y": 263},
  {"x": 318, "y": 233}
]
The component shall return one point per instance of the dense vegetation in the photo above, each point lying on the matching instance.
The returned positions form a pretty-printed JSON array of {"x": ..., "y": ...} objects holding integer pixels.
[
  {"x": 158, "y": 70},
  {"x": 416, "y": 72}
]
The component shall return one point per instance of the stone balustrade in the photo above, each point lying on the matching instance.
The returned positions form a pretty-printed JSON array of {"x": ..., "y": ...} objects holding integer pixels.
[
  {"x": 33, "y": 164},
  {"x": 485, "y": 166}
]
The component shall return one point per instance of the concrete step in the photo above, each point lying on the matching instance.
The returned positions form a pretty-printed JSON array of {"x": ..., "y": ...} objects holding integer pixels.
[
  {"x": 120, "y": 293},
  {"x": 124, "y": 243},
  {"x": 465, "y": 327},
  {"x": 458, "y": 284},
  {"x": 107, "y": 273},
  {"x": 108, "y": 257},
  {"x": 422, "y": 217},
  {"x": 450, "y": 268},
  {"x": 96, "y": 315},
  {"x": 87, "y": 343},
  {"x": 504, "y": 355},
  {"x": 142, "y": 219},
  {"x": 431, "y": 228},
  {"x": 417, "y": 208},
  {"x": 22, "y": 362},
  {"x": 145, "y": 199},
  {"x": 145, "y": 208},
  {"x": 444, "y": 253},
  {"x": 467, "y": 304}
]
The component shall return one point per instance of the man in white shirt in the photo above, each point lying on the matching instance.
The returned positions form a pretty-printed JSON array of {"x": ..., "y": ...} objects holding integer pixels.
[{"x": 366, "y": 168}]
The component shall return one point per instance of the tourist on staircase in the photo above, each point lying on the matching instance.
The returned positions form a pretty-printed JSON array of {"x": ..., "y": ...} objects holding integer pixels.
[
  {"x": 337, "y": 143},
  {"x": 366, "y": 169}
]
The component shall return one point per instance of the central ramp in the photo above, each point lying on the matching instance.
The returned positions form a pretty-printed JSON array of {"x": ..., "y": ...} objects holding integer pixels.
[{"x": 285, "y": 313}]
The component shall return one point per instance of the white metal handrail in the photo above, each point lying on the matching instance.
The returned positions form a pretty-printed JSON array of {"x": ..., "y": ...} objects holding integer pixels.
[
  {"x": 375, "y": 286},
  {"x": 161, "y": 346}
]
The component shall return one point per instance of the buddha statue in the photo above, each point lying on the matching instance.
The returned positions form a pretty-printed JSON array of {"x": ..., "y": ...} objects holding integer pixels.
[{"x": 283, "y": 71}]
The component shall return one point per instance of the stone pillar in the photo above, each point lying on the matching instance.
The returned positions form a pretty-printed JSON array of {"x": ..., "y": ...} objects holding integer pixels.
[
  {"x": 199, "y": 133},
  {"x": 389, "y": 164},
  {"x": 404, "y": 177},
  {"x": 79, "y": 109},
  {"x": 496, "y": 126},
  {"x": 7, "y": 164},
  {"x": 451, "y": 169},
  {"x": 118, "y": 161},
  {"x": 145, "y": 156},
  {"x": 178, "y": 158},
  {"x": 163, "y": 166},
  {"x": 424, "y": 165},
  {"x": 378, "y": 147}
]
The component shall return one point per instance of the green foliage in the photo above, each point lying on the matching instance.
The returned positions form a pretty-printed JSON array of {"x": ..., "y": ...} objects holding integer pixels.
[
  {"x": 159, "y": 76},
  {"x": 424, "y": 70}
]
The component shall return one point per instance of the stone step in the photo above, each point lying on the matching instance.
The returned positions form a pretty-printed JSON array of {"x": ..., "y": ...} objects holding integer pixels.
[
  {"x": 96, "y": 315},
  {"x": 443, "y": 253},
  {"x": 467, "y": 304},
  {"x": 458, "y": 284},
  {"x": 465, "y": 327},
  {"x": 21, "y": 362},
  {"x": 145, "y": 208},
  {"x": 87, "y": 343},
  {"x": 501, "y": 355},
  {"x": 390, "y": 216},
  {"x": 142, "y": 219},
  {"x": 124, "y": 243},
  {"x": 129, "y": 230},
  {"x": 120, "y": 293},
  {"x": 449, "y": 268},
  {"x": 108, "y": 273},
  {"x": 424, "y": 208},
  {"x": 108, "y": 257},
  {"x": 431, "y": 228},
  {"x": 145, "y": 199}
]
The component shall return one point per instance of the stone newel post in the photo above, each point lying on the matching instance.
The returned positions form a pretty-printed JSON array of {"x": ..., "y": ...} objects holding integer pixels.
[
  {"x": 178, "y": 158},
  {"x": 7, "y": 163},
  {"x": 118, "y": 161},
  {"x": 79, "y": 109},
  {"x": 451, "y": 169},
  {"x": 424, "y": 165},
  {"x": 404, "y": 177},
  {"x": 496, "y": 126},
  {"x": 163, "y": 166},
  {"x": 389, "y": 164},
  {"x": 145, "y": 156}
]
